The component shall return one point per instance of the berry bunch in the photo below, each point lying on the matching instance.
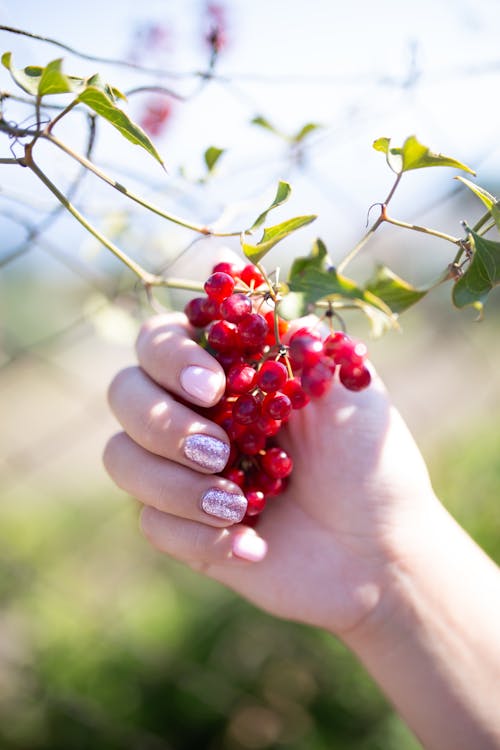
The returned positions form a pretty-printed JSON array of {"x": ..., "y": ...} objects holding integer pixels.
[{"x": 265, "y": 379}]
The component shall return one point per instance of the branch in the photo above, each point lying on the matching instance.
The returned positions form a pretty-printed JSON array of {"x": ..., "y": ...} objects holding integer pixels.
[{"x": 136, "y": 198}]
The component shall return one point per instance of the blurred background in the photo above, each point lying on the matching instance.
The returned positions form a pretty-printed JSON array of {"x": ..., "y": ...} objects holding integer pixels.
[{"x": 104, "y": 644}]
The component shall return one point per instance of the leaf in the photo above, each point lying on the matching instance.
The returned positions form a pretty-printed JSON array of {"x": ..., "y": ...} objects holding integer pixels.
[
  {"x": 101, "y": 104},
  {"x": 53, "y": 80},
  {"x": 212, "y": 156},
  {"x": 282, "y": 195},
  {"x": 491, "y": 203},
  {"x": 273, "y": 235},
  {"x": 305, "y": 131},
  {"x": 39, "y": 81},
  {"x": 414, "y": 155},
  {"x": 397, "y": 293},
  {"x": 481, "y": 276},
  {"x": 314, "y": 279},
  {"x": 263, "y": 123}
]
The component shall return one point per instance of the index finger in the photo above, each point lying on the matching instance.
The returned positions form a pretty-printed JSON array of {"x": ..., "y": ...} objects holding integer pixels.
[{"x": 169, "y": 355}]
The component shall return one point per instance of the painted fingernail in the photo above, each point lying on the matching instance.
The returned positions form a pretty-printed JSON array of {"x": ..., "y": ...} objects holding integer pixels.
[
  {"x": 249, "y": 546},
  {"x": 206, "y": 451},
  {"x": 226, "y": 505},
  {"x": 201, "y": 383}
]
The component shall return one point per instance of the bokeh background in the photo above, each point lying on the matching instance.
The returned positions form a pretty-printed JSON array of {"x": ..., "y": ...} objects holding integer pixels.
[{"x": 105, "y": 644}]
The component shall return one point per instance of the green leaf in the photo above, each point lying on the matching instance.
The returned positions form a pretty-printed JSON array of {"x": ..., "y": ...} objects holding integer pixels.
[
  {"x": 305, "y": 131},
  {"x": 314, "y": 279},
  {"x": 414, "y": 155},
  {"x": 491, "y": 203},
  {"x": 273, "y": 235},
  {"x": 263, "y": 123},
  {"x": 101, "y": 104},
  {"x": 39, "y": 81},
  {"x": 212, "y": 156},
  {"x": 397, "y": 293},
  {"x": 53, "y": 80},
  {"x": 282, "y": 195},
  {"x": 481, "y": 276}
]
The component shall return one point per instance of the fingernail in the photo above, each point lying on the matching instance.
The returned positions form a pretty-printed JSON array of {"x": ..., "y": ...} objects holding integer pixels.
[
  {"x": 206, "y": 451},
  {"x": 201, "y": 383},
  {"x": 226, "y": 505},
  {"x": 249, "y": 546}
]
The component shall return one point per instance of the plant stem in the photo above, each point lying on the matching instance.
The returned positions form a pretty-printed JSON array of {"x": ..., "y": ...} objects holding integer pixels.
[
  {"x": 355, "y": 250},
  {"x": 146, "y": 277},
  {"x": 136, "y": 198},
  {"x": 417, "y": 228}
]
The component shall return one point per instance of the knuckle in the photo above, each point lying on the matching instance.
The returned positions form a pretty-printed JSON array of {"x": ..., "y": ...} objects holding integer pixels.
[
  {"x": 111, "y": 453},
  {"x": 118, "y": 384}
]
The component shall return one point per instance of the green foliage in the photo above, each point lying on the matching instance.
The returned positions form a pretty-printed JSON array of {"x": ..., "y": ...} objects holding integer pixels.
[
  {"x": 414, "y": 155},
  {"x": 397, "y": 293},
  {"x": 100, "y": 97},
  {"x": 314, "y": 279},
  {"x": 101, "y": 103},
  {"x": 212, "y": 156},
  {"x": 272, "y": 235},
  {"x": 491, "y": 203},
  {"x": 482, "y": 274}
]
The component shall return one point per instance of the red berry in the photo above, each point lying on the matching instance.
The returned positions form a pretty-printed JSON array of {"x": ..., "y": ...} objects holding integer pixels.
[
  {"x": 251, "y": 276},
  {"x": 270, "y": 486},
  {"x": 237, "y": 476},
  {"x": 316, "y": 380},
  {"x": 252, "y": 441},
  {"x": 267, "y": 425},
  {"x": 345, "y": 350},
  {"x": 282, "y": 328},
  {"x": 277, "y": 463},
  {"x": 246, "y": 409},
  {"x": 235, "y": 307},
  {"x": 256, "y": 502},
  {"x": 229, "y": 359},
  {"x": 305, "y": 348},
  {"x": 224, "y": 267},
  {"x": 240, "y": 378},
  {"x": 200, "y": 311},
  {"x": 355, "y": 377},
  {"x": 271, "y": 377},
  {"x": 277, "y": 405},
  {"x": 252, "y": 331},
  {"x": 219, "y": 285},
  {"x": 293, "y": 389},
  {"x": 222, "y": 336}
]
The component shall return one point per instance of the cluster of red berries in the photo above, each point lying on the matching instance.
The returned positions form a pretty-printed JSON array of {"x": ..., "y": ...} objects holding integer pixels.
[{"x": 265, "y": 379}]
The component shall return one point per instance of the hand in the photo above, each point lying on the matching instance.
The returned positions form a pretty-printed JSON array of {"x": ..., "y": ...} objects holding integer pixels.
[{"x": 358, "y": 489}]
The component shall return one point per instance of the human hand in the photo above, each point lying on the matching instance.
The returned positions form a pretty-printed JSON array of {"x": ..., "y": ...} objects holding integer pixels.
[{"x": 358, "y": 489}]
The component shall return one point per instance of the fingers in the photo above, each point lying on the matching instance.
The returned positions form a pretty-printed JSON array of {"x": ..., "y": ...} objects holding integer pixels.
[
  {"x": 162, "y": 426},
  {"x": 198, "y": 545},
  {"x": 171, "y": 488},
  {"x": 168, "y": 354}
]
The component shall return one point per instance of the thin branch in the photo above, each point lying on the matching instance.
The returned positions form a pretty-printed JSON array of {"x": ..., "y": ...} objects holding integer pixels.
[
  {"x": 355, "y": 250},
  {"x": 145, "y": 277},
  {"x": 424, "y": 230},
  {"x": 136, "y": 198},
  {"x": 104, "y": 60}
]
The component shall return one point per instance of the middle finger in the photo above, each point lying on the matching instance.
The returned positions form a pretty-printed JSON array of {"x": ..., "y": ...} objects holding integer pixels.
[{"x": 161, "y": 425}]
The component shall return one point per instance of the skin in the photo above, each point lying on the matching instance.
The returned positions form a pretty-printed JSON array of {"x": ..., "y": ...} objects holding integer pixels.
[{"x": 358, "y": 544}]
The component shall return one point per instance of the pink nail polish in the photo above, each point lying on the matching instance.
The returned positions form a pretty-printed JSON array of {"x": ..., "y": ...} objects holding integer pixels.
[
  {"x": 206, "y": 451},
  {"x": 249, "y": 546},
  {"x": 201, "y": 383},
  {"x": 229, "y": 506}
]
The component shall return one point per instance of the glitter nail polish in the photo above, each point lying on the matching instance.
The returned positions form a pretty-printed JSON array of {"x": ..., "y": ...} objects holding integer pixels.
[
  {"x": 229, "y": 506},
  {"x": 206, "y": 451}
]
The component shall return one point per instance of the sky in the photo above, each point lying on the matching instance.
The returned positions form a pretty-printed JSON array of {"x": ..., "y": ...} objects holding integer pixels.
[{"x": 361, "y": 70}]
